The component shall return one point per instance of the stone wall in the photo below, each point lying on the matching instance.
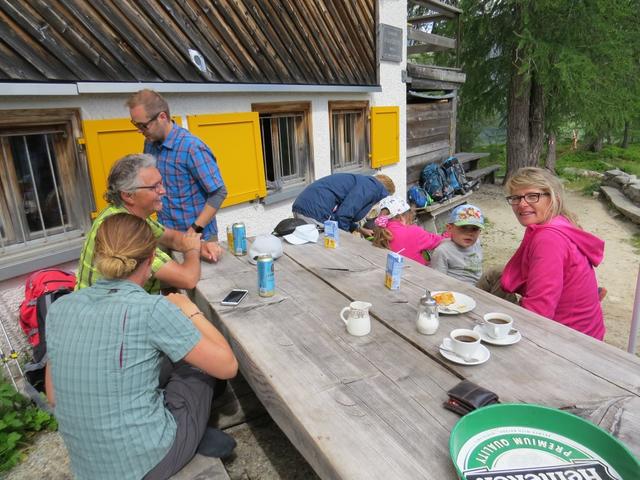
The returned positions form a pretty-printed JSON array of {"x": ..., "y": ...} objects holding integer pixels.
[{"x": 629, "y": 185}]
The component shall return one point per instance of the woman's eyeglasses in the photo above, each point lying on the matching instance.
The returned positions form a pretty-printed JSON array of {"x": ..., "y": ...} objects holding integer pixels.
[
  {"x": 143, "y": 126},
  {"x": 528, "y": 197},
  {"x": 158, "y": 187}
]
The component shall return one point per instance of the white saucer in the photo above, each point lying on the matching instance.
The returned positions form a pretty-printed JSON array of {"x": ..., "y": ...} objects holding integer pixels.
[
  {"x": 508, "y": 340},
  {"x": 462, "y": 304},
  {"x": 482, "y": 354}
]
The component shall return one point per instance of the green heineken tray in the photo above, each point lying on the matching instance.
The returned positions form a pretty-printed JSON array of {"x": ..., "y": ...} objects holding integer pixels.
[{"x": 522, "y": 442}]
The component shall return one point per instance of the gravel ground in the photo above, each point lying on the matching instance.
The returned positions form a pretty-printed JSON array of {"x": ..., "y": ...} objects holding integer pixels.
[
  {"x": 47, "y": 460},
  {"x": 265, "y": 453}
]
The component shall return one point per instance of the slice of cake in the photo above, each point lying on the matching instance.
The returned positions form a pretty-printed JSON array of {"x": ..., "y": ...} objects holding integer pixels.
[{"x": 444, "y": 298}]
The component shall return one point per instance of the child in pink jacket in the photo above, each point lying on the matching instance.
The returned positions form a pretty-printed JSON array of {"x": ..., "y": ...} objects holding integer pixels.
[{"x": 394, "y": 230}]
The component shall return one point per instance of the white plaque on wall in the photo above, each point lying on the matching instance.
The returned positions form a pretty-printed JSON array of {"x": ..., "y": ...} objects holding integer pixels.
[{"x": 390, "y": 42}]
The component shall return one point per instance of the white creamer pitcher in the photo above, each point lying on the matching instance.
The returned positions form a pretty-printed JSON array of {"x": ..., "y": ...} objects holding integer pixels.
[{"x": 357, "y": 321}]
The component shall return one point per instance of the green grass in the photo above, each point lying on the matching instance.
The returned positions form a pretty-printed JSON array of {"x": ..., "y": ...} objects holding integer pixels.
[
  {"x": 627, "y": 160},
  {"x": 586, "y": 185},
  {"x": 19, "y": 422},
  {"x": 497, "y": 155}
]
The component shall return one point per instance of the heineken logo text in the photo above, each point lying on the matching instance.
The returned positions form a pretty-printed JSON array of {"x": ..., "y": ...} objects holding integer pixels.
[{"x": 577, "y": 471}]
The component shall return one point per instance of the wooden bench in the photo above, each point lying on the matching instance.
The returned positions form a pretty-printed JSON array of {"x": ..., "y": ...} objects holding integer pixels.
[
  {"x": 428, "y": 216},
  {"x": 480, "y": 173},
  {"x": 470, "y": 159},
  {"x": 201, "y": 468}
]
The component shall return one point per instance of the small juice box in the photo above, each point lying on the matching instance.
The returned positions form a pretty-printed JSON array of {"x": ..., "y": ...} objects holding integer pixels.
[
  {"x": 393, "y": 275},
  {"x": 331, "y": 234}
]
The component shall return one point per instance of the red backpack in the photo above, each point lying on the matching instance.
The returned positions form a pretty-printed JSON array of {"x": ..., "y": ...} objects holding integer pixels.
[{"x": 49, "y": 281}]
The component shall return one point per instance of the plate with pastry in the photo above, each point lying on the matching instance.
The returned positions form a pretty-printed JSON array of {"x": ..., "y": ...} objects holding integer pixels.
[{"x": 451, "y": 303}]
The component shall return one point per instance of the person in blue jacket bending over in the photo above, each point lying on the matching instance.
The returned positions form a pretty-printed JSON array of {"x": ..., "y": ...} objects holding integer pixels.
[{"x": 343, "y": 197}]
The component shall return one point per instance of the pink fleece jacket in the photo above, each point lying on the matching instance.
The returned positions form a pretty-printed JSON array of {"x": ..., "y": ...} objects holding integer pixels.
[
  {"x": 553, "y": 271},
  {"x": 412, "y": 240}
]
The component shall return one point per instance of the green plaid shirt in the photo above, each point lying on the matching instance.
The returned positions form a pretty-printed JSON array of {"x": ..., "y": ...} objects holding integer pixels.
[
  {"x": 105, "y": 346},
  {"x": 87, "y": 273}
]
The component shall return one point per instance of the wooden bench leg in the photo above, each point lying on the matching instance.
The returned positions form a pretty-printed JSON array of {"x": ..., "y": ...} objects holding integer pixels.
[{"x": 428, "y": 224}]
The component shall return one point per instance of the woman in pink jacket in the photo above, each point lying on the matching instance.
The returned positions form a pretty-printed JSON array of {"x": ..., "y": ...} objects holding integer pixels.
[
  {"x": 553, "y": 269},
  {"x": 394, "y": 229}
]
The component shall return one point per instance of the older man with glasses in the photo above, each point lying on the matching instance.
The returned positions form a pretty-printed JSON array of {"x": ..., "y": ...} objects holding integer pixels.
[
  {"x": 135, "y": 186},
  {"x": 195, "y": 190}
]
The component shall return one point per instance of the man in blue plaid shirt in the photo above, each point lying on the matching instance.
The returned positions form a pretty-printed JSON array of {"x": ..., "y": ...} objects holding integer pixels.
[{"x": 189, "y": 170}]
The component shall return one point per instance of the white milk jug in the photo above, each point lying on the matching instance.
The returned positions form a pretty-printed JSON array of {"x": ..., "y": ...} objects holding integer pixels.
[{"x": 357, "y": 321}]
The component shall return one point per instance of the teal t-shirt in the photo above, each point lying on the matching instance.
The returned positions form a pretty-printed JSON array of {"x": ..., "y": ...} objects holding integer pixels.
[{"x": 105, "y": 344}]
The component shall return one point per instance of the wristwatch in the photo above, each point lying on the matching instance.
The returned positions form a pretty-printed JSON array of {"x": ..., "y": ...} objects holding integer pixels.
[{"x": 197, "y": 228}]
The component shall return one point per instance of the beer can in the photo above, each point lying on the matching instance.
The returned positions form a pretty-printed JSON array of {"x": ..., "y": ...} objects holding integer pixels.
[
  {"x": 230, "y": 245},
  {"x": 239, "y": 239},
  {"x": 266, "y": 276}
]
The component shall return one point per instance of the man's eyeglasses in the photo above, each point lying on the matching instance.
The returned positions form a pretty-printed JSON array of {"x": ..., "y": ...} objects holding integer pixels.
[
  {"x": 145, "y": 125},
  {"x": 528, "y": 197},
  {"x": 158, "y": 187}
]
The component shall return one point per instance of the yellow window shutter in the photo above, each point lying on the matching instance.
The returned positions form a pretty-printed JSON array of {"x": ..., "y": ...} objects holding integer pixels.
[
  {"x": 234, "y": 139},
  {"x": 107, "y": 141},
  {"x": 385, "y": 136}
]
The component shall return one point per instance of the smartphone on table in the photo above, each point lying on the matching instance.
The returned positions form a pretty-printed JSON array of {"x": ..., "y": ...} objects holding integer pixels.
[{"x": 234, "y": 297}]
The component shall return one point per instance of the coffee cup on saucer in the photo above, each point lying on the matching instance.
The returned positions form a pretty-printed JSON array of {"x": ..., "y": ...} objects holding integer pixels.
[
  {"x": 465, "y": 343},
  {"x": 498, "y": 325}
]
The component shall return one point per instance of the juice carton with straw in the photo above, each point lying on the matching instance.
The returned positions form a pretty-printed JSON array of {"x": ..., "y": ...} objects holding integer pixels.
[
  {"x": 393, "y": 274},
  {"x": 331, "y": 234}
]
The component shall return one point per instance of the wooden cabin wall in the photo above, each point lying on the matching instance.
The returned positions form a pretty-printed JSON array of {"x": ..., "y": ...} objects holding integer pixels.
[{"x": 429, "y": 134}]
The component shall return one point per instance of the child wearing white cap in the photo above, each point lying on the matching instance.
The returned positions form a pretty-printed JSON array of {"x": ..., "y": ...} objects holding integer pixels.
[
  {"x": 394, "y": 229},
  {"x": 460, "y": 256}
]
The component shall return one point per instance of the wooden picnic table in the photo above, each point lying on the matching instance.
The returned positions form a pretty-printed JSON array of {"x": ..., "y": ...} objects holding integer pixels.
[{"x": 371, "y": 407}]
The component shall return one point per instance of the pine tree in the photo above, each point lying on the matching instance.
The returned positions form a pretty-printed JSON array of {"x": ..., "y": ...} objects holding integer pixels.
[{"x": 542, "y": 63}]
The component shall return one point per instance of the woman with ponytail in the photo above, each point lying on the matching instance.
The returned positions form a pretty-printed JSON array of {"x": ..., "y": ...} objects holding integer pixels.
[{"x": 107, "y": 345}]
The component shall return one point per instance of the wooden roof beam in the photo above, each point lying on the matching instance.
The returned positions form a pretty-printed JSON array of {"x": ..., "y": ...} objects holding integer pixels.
[
  {"x": 439, "y": 7},
  {"x": 432, "y": 72},
  {"x": 427, "y": 19},
  {"x": 435, "y": 42}
]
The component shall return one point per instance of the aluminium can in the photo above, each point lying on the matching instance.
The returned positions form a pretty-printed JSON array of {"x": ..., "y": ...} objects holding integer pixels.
[
  {"x": 239, "y": 239},
  {"x": 230, "y": 244},
  {"x": 266, "y": 276}
]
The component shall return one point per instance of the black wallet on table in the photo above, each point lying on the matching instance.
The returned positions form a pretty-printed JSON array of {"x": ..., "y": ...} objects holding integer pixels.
[{"x": 467, "y": 396}]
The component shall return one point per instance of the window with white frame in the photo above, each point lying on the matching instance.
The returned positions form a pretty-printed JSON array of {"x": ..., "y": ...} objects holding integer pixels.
[
  {"x": 286, "y": 148},
  {"x": 348, "y": 131},
  {"x": 44, "y": 193}
]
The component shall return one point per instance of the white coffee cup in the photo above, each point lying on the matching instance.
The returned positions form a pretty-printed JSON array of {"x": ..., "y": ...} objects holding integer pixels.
[
  {"x": 497, "y": 325},
  {"x": 465, "y": 342},
  {"x": 358, "y": 322}
]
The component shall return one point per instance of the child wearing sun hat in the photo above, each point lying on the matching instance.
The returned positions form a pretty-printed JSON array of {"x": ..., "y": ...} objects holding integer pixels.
[
  {"x": 394, "y": 229},
  {"x": 460, "y": 256}
]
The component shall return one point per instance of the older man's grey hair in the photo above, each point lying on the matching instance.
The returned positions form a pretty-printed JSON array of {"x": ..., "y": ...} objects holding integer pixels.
[{"x": 123, "y": 176}]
